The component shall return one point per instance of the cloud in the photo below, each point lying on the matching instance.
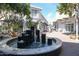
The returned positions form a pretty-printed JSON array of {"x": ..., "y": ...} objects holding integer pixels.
[
  {"x": 58, "y": 16},
  {"x": 49, "y": 17}
]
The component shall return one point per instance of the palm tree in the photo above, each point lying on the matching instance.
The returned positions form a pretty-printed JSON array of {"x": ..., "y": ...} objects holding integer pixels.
[{"x": 68, "y": 9}]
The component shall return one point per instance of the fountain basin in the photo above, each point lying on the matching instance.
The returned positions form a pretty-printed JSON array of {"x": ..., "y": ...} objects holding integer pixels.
[{"x": 7, "y": 49}]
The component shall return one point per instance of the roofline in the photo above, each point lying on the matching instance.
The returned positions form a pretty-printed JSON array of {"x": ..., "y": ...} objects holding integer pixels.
[
  {"x": 44, "y": 18},
  {"x": 32, "y": 6}
]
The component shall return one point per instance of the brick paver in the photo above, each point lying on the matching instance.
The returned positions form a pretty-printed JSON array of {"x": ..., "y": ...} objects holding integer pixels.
[{"x": 70, "y": 47}]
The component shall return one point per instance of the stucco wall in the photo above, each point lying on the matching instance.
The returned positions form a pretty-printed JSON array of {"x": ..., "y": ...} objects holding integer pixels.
[{"x": 61, "y": 27}]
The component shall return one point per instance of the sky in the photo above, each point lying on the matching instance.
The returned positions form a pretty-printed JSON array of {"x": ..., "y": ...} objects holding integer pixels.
[{"x": 49, "y": 10}]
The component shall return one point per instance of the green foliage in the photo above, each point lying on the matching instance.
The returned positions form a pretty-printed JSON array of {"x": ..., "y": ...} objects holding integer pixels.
[
  {"x": 66, "y": 8},
  {"x": 0, "y": 28},
  {"x": 16, "y": 26},
  {"x": 19, "y": 8},
  {"x": 23, "y": 8}
]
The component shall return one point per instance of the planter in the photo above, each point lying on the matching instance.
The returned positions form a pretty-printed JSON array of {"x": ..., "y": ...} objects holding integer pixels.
[
  {"x": 43, "y": 38},
  {"x": 37, "y": 35},
  {"x": 49, "y": 42}
]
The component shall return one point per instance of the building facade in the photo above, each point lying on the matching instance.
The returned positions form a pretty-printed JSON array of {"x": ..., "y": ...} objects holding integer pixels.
[
  {"x": 36, "y": 16},
  {"x": 65, "y": 25}
]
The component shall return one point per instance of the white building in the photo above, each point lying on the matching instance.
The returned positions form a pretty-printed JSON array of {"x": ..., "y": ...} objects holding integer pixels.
[
  {"x": 36, "y": 17},
  {"x": 65, "y": 25}
]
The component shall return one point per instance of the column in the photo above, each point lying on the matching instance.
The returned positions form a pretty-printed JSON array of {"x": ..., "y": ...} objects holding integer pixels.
[
  {"x": 76, "y": 17},
  {"x": 24, "y": 23}
]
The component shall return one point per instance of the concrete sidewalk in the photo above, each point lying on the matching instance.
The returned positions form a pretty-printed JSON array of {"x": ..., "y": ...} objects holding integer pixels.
[{"x": 70, "y": 47}]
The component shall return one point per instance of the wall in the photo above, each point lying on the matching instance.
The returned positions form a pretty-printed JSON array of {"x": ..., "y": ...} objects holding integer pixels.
[{"x": 61, "y": 27}]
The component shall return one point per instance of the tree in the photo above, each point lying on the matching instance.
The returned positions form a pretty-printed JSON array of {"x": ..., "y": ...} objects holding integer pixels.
[
  {"x": 16, "y": 8},
  {"x": 68, "y": 8},
  {"x": 23, "y": 10}
]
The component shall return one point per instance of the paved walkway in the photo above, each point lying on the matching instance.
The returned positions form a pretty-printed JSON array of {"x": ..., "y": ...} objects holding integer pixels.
[{"x": 70, "y": 47}]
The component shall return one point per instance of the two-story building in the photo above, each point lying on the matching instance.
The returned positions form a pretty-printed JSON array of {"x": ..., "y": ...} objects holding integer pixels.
[{"x": 36, "y": 16}]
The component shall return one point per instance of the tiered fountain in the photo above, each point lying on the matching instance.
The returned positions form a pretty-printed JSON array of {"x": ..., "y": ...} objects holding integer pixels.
[{"x": 31, "y": 43}]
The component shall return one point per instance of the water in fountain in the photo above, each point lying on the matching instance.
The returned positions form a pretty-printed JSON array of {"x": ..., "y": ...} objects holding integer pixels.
[
  {"x": 26, "y": 44},
  {"x": 27, "y": 40}
]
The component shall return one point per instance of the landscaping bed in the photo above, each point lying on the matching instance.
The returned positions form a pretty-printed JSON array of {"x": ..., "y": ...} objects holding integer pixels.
[{"x": 73, "y": 36}]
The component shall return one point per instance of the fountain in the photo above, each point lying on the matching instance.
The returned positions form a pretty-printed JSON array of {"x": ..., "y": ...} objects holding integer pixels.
[{"x": 31, "y": 43}]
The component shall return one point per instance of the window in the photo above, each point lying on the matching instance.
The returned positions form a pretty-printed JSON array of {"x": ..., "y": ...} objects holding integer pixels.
[
  {"x": 70, "y": 27},
  {"x": 34, "y": 12}
]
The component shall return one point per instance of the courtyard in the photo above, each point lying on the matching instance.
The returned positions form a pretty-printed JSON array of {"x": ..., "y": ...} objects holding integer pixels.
[
  {"x": 70, "y": 47},
  {"x": 27, "y": 30}
]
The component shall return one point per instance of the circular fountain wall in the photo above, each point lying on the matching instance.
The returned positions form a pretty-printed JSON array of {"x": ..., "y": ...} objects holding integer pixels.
[
  {"x": 31, "y": 42},
  {"x": 10, "y": 48}
]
